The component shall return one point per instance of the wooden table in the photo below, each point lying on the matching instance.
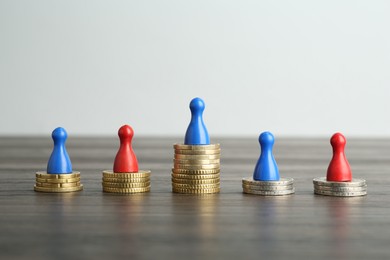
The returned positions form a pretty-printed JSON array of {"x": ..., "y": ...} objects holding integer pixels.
[{"x": 161, "y": 225}]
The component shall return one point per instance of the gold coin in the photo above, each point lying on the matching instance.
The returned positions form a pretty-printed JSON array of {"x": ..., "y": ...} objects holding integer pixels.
[
  {"x": 195, "y": 176},
  {"x": 125, "y": 185},
  {"x": 70, "y": 180},
  {"x": 126, "y": 190},
  {"x": 197, "y": 166},
  {"x": 196, "y": 147},
  {"x": 128, "y": 180},
  {"x": 195, "y": 162},
  {"x": 200, "y": 191},
  {"x": 195, "y": 186},
  {"x": 197, "y": 171},
  {"x": 195, "y": 182},
  {"x": 57, "y": 185},
  {"x": 45, "y": 175},
  {"x": 126, "y": 175},
  {"x": 198, "y": 152},
  {"x": 197, "y": 156},
  {"x": 58, "y": 190}
]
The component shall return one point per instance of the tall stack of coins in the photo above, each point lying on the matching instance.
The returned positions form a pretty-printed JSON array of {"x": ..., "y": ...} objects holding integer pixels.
[
  {"x": 126, "y": 183},
  {"x": 268, "y": 188},
  {"x": 196, "y": 169},
  {"x": 46, "y": 182},
  {"x": 356, "y": 187}
]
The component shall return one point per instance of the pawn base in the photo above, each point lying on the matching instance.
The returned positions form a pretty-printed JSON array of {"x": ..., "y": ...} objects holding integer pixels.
[
  {"x": 57, "y": 183},
  {"x": 126, "y": 183},
  {"x": 285, "y": 186},
  {"x": 354, "y": 188}
]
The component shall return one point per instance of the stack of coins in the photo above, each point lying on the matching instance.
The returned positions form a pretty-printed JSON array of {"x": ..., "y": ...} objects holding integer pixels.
[
  {"x": 67, "y": 182},
  {"x": 126, "y": 183},
  {"x": 196, "y": 169},
  {"x": 356, "y": 187},
  {"x": 268, "y": 188}
]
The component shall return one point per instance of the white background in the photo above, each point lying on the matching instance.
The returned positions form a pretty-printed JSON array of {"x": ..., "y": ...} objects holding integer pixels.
[{"x": 296, "y": 68}]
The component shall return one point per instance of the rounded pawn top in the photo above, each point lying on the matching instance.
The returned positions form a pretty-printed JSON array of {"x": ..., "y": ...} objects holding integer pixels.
[
  {"x": 338, "y": 169},
  {"x": 125, "y": 159},
  {"x": 59, "y": 161},
  {"x": 266, "y": 139},
  {"x": 338, "y": 140},
  {"x": 59, "y": 135},
  {"x": 125, "y": 133},
  {"x": 197, "y": 133},
  {"x": 197, "y": 105},
  {"x": 266, "y": 168}
]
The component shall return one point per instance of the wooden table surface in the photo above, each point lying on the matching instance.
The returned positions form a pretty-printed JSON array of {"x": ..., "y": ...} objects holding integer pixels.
[{"x": 161, "y": 225}]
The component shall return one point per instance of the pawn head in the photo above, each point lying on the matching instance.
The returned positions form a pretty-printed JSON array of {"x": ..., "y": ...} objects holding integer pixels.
[
  {"x": 337, "y": 140},
  {"x": 59, "y": 135},
  {"x": 125, "y": 132},
  {"x": 266, "y": 139},
  {"x": 197, "y": 104}
]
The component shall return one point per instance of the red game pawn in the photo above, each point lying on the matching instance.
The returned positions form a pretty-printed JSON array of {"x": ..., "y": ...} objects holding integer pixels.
[
  {"x": 338, "y": 169},
  {"x": 125, "y": 160},
  {"x": 125, "y": 178}
]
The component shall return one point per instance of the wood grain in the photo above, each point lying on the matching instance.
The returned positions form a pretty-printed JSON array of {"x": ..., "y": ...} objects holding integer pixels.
[{"x": 162, "y": 225}]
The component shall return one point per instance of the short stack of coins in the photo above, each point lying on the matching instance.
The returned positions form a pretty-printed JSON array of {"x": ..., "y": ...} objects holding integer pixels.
[
  {"x": 284, "y": 186},
  {"x": 126, "y": 183},
  {"x": 339, "y": 181},
  {"x": 356, "y": 187},
  {"x": 196, "y": 169},
  {"x": 265, "y": 180},
  {"x": 66, "y": 182}
]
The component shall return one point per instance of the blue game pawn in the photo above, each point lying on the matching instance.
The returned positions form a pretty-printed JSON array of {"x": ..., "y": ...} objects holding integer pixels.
[
  {"x": 59, "y": 162},
  {"x": 197, "y": 132},
  {"x": 266, "y": 168}
]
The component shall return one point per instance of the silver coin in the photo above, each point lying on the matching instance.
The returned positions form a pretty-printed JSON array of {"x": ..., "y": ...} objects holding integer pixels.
[
  {"x": 323, "y": 182},
  {"x": 282, "y": 181},
  {"x": 267, "y": 188},
  {"x": 341, "y": 189},
  {"x": 269, "y": 193},
  {"x": 340, "y": 194}
]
